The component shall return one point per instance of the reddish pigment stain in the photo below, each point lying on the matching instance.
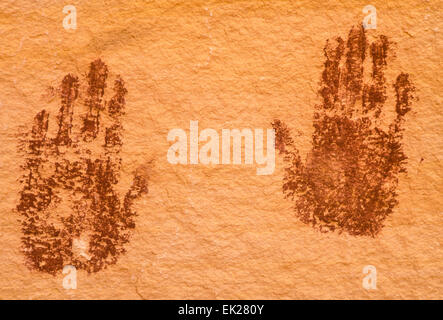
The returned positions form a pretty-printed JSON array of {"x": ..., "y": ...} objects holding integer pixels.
[
  {"x": 348, "y": 182},
  {"x": 70, "y": 209}
]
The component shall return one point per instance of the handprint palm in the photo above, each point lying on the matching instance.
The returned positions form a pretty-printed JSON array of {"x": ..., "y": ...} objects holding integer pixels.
[
  {"x": 72, "y": 213},
  {"x": 349, "y": 180}
]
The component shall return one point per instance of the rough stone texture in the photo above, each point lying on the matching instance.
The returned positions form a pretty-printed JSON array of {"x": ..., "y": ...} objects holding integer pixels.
[{"x": 222, "y": 232}]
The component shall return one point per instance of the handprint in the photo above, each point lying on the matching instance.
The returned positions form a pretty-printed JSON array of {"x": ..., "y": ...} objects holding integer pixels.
[
  {"x": 349, "y": 179},
  {"x": 70, "y": 210}
]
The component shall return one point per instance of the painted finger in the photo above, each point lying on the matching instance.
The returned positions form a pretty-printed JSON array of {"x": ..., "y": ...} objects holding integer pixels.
[
  {"x": 69, "y": 93},
  {"x": 113, "y": 134},
  {"x": 98, "y": 73},
  {"x": 116, "y": 109},
  {"x": 286, "y": 146},
  {"x": 330, "y": 79},
  {"x": 404, "y": 91},
  {"x": 374, "y": 93},
  {"x": 117, "y": 104},
  {"x": 283, "y": 139},
  {"x": 38, "y": 132},
  {"x": 351, "y": 76},
  {"x": 33, "y": 147},
  {"x": 139, "y": 187}
]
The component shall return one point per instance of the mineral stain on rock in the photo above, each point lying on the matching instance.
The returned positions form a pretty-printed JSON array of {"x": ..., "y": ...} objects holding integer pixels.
[
  {"x": 348, "y": 182},
  {"x": 70, "y": 210}
]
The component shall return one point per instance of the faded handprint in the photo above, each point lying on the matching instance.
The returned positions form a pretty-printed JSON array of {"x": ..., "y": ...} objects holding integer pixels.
[
  {"x": 349, "y": 179},
  {"x": 70, "y": 210}
]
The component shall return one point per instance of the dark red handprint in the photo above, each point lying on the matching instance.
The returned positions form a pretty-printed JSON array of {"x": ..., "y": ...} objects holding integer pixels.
[
  {"x": 71, "y": 212},
  {"x": 349, "y": 180}
]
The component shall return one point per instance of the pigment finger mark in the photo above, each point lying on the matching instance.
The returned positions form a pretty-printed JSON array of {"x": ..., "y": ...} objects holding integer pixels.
[
  {"x": 116, "y": 108},
  {"x": 404, "y": 91},
  {"x": 379, "y": 53},
  {"x": 285, "y": 144},
  {"x": 113, "y": 138},
  {"x": 117, "y": 103},
  {"x": 98, "y": 73},
  {"x": 374, "y": 94},
  {"x": 38, "y": 133},
  {"x": 352, "y": 76},
  {"x": 282, "y": 136},
  {"x": 138, "y": 188},
  {"x": 113, "y": 133},
  {"x": 69, "y": 93},
  {"x": 333, "y": 53}
]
